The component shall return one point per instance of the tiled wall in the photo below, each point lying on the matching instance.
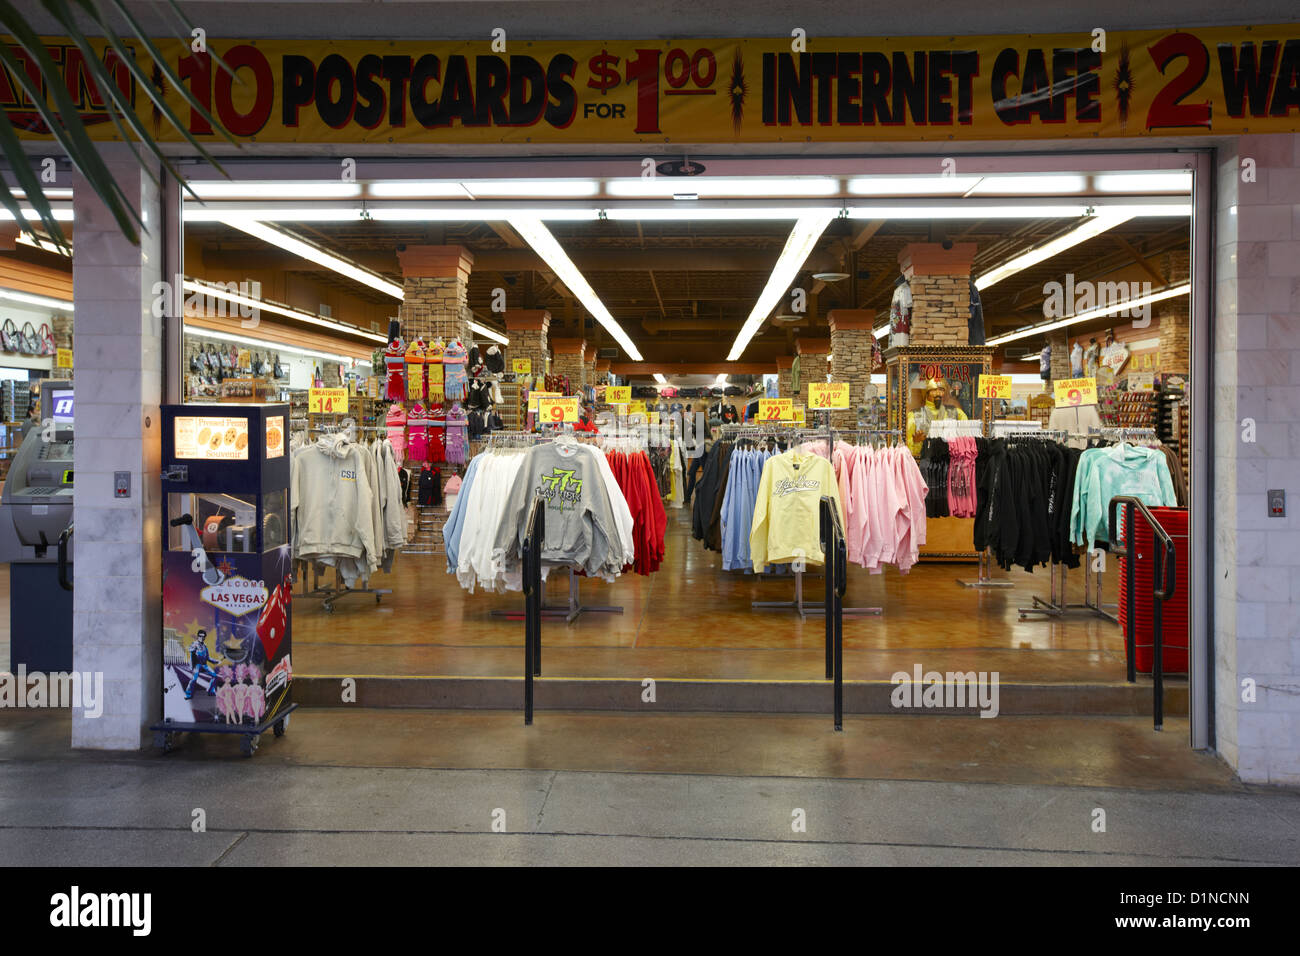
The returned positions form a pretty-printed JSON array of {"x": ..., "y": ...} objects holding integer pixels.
[
  {"x": 1257, "y": 380},
  {"x": 117, "y": 601}
]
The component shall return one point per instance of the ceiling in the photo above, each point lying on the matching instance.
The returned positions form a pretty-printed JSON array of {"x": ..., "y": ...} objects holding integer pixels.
[{"x": 682, "y": 289}]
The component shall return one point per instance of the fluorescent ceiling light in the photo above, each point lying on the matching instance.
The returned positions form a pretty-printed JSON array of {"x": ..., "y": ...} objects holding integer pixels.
[
  {"x": 660, "y": 379},
  {"x": 665, "y": 186},
  {"x": 1042, "y": 185},
  {"x": 46, "y": 244},
  {"x": 57, "y": 213},
  {"x": 28, "y": 299},
  {"x": 533, "y": 188},
  {"x": 1143, "y": 182},
  {"x": 881, "y": 332},
  {"x": 971, "y": 210},
  {"x": 543, "y": 243},
  {"x": 291, "y": 243},
  {"x": 197, "y": 330},
  {"x": 411, "y": 189},
  {"x": 1098, "y": 313},
  {"x": 47, "y": 193},
  {"x": 276, "y": 190},
  {"x": 911, "y": 185},
  {"x": 482, "y": 212},
  {"x": 270, "y": 212},
  {"x": 1089, "y": 230},
  {"x": 803, "y": 237},
  {"x": 487, "y": 333},
  {"x": 721, "y": 379},
  {"x": 296, "y": 314},
  {"x": 687, "y": 211}
]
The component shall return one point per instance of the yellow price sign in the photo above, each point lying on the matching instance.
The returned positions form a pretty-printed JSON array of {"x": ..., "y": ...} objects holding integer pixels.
[
  {"x": 775, "y": 409},
  {"x": 63, "y": 359},
  {"x": 553, "y": 411},
  {"x": 798, "y": 415},
  {"x": 1072, "y": 392},
  {"x": 533, "y": 398},
  {"x": 828, "y": 395},
  {"x": 994, "y": 386},
  {"x": 327, "y": 401},
  {"x": 620, "y": 395},
  {"x": 636, "y": 408},
  {"x": 521, "y": 366}
]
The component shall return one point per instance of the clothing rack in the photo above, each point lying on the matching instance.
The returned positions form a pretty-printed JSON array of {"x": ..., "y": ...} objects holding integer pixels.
[
  {"x": 1112, "y": 433},
  {"x": 984, "y": 579},
  {"x": 1058, "y": 606},
  {"x": 798, "y": 605},
  {"x": 574, "y": 608},
  {"x": 330, "y": 594}
]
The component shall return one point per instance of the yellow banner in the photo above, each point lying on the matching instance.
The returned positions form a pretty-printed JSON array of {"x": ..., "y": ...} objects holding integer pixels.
[
  {"x": 521, "y": 366},
  {"x": 618, "y": 394},
  {"x": 775, "y": 410},
  {"x": 828, "y": 395},
  {"x": 327, "y": 401},
  {"x": 994, "y": 386},
  {"x": 1075, "y": 391},
  {"x": 552, "y": 411},
  {"x": 1157, "y": 82},
  {"x": 797, "y": 416},
  {"x": 63, "y": 358},
  {"x": 534, "y": 396},
  {"x": 635, "y": 408}
]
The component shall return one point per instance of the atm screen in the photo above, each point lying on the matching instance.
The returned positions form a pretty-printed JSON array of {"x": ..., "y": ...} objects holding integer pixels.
[{"x": 61, "y": 402}]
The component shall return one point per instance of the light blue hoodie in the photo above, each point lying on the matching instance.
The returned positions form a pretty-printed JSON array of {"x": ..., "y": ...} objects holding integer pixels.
[{"x": 1103, "y": 473}]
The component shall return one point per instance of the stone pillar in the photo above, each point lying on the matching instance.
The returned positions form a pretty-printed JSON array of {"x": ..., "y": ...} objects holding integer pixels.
[
  {"x": 117, "y": 604},
  {"x": 568, "y": 361},
  {"x": 602, "y": 369},
  {"x": 851, "y": 358},
  {"x": 1174, "y": 356},
  {"x": 1060, "y": 342},
  {"x": 589, "y": 364},
  {"x": 940, "y": 283},
  {"x": 527, "y": 329},
  {"x": 783, "y": 364},
  {"x": 812, "y": 365},
  {"x": 435, "y": 280}
]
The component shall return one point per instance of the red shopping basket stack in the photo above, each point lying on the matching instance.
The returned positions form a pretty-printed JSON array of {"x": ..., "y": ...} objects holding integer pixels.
[{"x": 1174, "y": 613}]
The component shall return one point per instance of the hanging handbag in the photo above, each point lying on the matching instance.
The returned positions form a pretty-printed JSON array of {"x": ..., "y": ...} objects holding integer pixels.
[
  {"x": 48, "y": 346},
  {"x": 31, "y": 344},
  {"x": 9, "y": 336},
  {"x": 279, "y": 373}
]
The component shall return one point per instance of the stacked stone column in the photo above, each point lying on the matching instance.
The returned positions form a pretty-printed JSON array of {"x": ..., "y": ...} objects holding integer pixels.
[
  {"x": 940, "y": 282},
  {"x": 589, "y": 364},
  {"x": 435, "y": 280},
  {"x": 527, "y": 329},
  {"x": 1172, "y": 319},
  {"x": 783, "y": 365},
  {"x": 851, "y": 358},
  {"x": 602, "y": 369},
  {"x": 568, "y": 360},
  {"x": 812, "y": 365},
  {"x": 1060, "y": 343}
]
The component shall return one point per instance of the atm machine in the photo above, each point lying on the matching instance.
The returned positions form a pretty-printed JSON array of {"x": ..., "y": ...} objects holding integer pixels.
[{"x": 36, "y": 538}]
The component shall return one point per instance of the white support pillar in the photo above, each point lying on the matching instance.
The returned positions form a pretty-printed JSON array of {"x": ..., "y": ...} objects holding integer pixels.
[{"x": 117, "y": 601}]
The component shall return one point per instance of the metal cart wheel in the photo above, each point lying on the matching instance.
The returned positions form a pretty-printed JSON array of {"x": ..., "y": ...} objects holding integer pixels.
[
  {"x": 281, "y": 726},
  {"x": 248, "y": 744},
  {"x": 165, "y": 740}
]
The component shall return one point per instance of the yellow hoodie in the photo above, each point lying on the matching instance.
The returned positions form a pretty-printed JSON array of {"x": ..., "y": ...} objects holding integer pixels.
[{"x": 787, "y": 515}]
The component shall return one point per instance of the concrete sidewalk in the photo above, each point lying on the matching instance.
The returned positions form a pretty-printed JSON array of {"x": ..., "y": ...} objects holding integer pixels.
[{"x": 64, "y": 807}]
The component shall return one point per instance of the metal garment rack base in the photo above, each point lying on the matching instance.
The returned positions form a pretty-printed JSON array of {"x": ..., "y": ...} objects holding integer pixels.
[
  {"x": 329, "y": 594},
  {"x": 809, "y": 607},
  {"x": 1056, "y": 606},
  {"x": 570, "y": 612},
  {"x": 984, "y": 581}
]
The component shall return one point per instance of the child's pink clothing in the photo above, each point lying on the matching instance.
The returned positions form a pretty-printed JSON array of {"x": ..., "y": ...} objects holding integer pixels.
[
  {"x": 418, "y": 431},
  {"x": 396, "y": 422}
]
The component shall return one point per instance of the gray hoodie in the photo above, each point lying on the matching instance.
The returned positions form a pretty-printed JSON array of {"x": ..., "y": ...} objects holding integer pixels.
[
  {"x": 579, "y": 517},
  {"x": 335, "y": 508}
]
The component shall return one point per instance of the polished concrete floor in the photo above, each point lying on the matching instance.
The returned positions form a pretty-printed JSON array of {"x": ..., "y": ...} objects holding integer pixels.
[
  {"x": 691, "y": 619},
  {"x": 425, "y": 788}
]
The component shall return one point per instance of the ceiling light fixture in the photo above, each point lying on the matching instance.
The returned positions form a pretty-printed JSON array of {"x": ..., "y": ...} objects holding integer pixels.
[
  {"x": 535, "y": 233},
  {"x": 275, "y": 190},
  {"x": 1183, "y": 289},
  {"x": 1089, "y": 230},
  {"x": 533, "y": 188},
  {"x": 57, "y": 213},
  {"x": 660, "y": 379},
  {"x": 28, "y": 299},
  {"x": 198, "y": 330},
  {"x": 666, "y": 187},
  {"x": 419, "y": 189},
  {"x": 912, "y": 185},
  {"x": 299, "y": 247},
  {"x": 1156, "y": 182},
  {"x": 803, "y": 237},
  {"x": 1030, "y": 185},
  {"x": 880, "y": 333},
  {"x": 299, "y": 315},
  {"x": 46, "y": 244},
  {"x": 487, "y": 333}
]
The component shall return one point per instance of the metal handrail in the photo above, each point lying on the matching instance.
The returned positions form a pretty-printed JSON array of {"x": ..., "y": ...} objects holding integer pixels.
[
  {"x": 64, "y": 538},
  {"x": 835, "y": 555},
  {"x": 534, "y": 535},
  {"x": 1162, "y": 589}
]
